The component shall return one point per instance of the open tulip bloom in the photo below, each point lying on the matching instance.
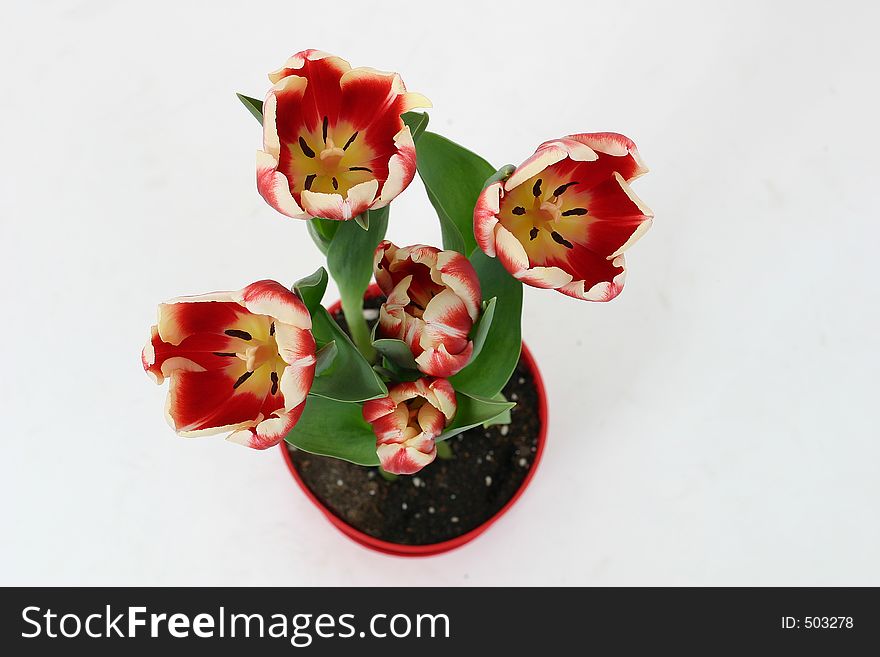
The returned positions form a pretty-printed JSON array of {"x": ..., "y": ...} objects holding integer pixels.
[{"x": 270, "y": 363}]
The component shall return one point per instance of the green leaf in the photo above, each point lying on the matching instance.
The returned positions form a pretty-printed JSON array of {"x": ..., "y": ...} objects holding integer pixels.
[
  {"x": 350, "y": 260},
  {"x": 325, "y": 357},
  {"x": 322, "y": 232},
  {"x": 388, "y": 476},
  {"x": 488, "y": 373},
  {"x": 397, "y": 351},
  {"x": 311, "y": 289},
  {"x": 504, "y": 418},
  {"x": 444, "y": 450},
  {"x": 453, "y": 178},
  {"x": 350, "y": 378},
  {"x": 363, "y": 220},
  {"x": 254, "y": 106},
  {"x": 336, "y": 429},
  {"x": 472, "y": 412},
  {"x": 481, "y": 330},
  {"x": 501, "y": 175},
  {"x": 417, "y": 122}
]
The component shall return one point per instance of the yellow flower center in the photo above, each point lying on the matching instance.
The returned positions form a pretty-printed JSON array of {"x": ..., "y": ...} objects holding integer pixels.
[
  {"x": 259, "y": 365},
  {"x": 546, "y": 215},
  {"x": 330, "y": 159}
]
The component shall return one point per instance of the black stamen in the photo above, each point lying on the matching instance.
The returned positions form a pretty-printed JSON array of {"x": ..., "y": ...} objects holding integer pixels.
[
  {"x": 235, "y": 333},
  {"x": 335, "y": 183},
  {"x": 575, "y": 212},
  {"x": 559, "y": 239},
  {"x": 308, "y": 152},
  {"x": 324, "y": 129},
  {"x": 350, "y": 140},
  {"x": 518, "y": 210},
  {"x": 272, "y": 329},
  {"x": 244, "y": 377},
  {"x": 227, "y": 354},
  {"x": 360, "y": 169},
  {"x": 559, "y": 191},
  {"x": 274, "y": 383},
  {"x": 536, "y": 190},
  {"x": 309, "y": 180},
  {"x": 533, "y": 233}
]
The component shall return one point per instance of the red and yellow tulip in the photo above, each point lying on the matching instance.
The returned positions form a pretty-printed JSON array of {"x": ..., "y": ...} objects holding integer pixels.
[
  {"x": 407, "y": 421},
  {"x": 239, "y": 362},
  {"x": 565, "y": 216},
  {"x": 334, "y": 144},
  {"x": 433, "y": 300}
]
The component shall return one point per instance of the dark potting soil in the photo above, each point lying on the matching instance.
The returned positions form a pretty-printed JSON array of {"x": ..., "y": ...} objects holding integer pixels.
[{"x": 448, "y": 497}]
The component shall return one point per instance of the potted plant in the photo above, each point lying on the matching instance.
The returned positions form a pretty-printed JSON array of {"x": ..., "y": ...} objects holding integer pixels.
[{"x": 409, "y": 411}]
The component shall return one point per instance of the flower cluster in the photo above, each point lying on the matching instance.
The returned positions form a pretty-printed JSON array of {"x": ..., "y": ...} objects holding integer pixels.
[{"x": 338, "y": 145}]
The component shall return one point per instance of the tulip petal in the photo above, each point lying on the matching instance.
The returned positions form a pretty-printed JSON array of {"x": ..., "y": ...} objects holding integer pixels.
[
  {"x": 275, "y": 187},
  {"x": 269, "y": 432},
  {"x": 206, "y": 400},
  {"x": 333, "y": 206},
  {"x": 510, "y": 252},
  {"x": 624, "y": 156},
  {"x": 545, "y": 277},
  {"x": 547, "y": 154},
  {"x": 486, "y": 217},
  {"x": 437, "y": 361},
  {"x": 459, "y": 275},
  {"x": 401, "y": 169},
  {"x": 319, "y": 64},
  {"x": 446, "y": 322},
  {"x": 431, "y": 420},
  {"x": 444, "y": 395},
  {"x": 602, "y": 279},
  {"x": 376, "y": 408},
  {"x": 181, "y": 318},
  {"x": 401, "y": 460},
  {"x": 287, "y": 99},
  {"x": 273, "y": 299}
]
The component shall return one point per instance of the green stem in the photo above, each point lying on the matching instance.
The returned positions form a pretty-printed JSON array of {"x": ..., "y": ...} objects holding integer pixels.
[{"x": 353, "y": 309}]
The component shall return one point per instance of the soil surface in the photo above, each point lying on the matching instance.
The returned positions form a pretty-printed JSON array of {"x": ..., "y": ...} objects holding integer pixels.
[{"x": 447, "y": 498}]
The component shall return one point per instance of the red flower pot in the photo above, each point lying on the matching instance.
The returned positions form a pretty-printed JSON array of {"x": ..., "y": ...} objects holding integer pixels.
[{"x": 402, "y": 550}]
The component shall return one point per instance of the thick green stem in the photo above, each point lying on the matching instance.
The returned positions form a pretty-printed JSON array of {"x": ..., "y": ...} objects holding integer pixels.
[{"x": 353, "y": 309}]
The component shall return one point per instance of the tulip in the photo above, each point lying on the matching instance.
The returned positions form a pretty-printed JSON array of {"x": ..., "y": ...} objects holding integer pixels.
[
  {"x": 565, "y": 216},
  {"x": 433, "y": 300},
  {"x": 334, "y": 144},
  {"x": 239, "y": 362},
  {"x": 407, "y": 421}
]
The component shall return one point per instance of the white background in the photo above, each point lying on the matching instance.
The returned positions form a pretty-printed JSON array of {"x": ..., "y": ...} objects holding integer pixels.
[{"x": 715, "y": 424}]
